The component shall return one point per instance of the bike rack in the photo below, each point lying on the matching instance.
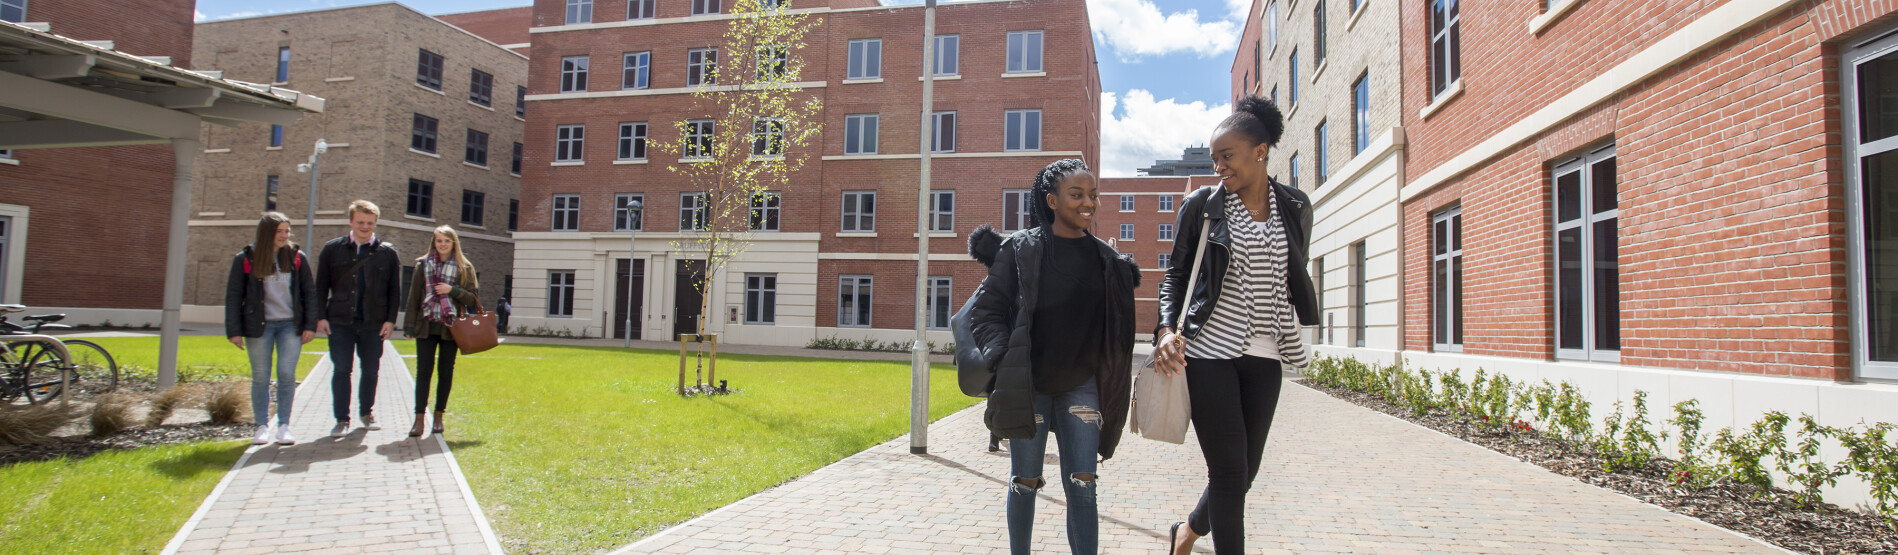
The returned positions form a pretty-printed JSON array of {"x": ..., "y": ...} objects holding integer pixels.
[{"x": 65, "y": 371}]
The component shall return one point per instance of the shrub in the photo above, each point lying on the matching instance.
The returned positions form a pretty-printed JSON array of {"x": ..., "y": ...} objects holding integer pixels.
[
  {"x": 112, "y": 412},
  {"x": 1876, "y": 461},
  {"x": 1808, "y": 472},
  {"x": 32, "y": 424},
  {"x": 167, "y": 401},
  {"x": 1689, "y": 471},
  {"x": 1743, "y": 457},
  {"x": 227, "y": 402}
]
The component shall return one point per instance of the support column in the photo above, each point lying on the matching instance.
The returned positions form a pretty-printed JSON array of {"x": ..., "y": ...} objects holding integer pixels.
[{"x": 184, "y": 154}]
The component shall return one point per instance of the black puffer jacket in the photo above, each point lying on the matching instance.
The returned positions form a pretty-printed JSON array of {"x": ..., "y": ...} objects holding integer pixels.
[
  {"x": 1002, "y": 321},
  {"x": 1207, "y": 206},
  {"x": 382, "y": 292},
  {"x": 244, "y": 298}
]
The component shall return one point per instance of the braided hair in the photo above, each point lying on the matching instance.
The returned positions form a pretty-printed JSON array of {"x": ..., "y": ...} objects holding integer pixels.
[
  {"x": 1041, "y": 213},
  {"x": 1257, "y": 118}
]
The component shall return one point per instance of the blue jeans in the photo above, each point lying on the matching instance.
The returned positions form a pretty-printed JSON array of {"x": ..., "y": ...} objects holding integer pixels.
[
  {"x": 361, "y": 341},
  {"x": 283, "y": 336},
  {"x": 1075, "y": 418}
]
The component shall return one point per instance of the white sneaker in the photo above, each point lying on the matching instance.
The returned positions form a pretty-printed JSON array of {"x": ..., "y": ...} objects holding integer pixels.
[
  {"x": 284, "y": 437},
  {"x": 341, "y": 429},
  {"x": 263, "y": 435}
]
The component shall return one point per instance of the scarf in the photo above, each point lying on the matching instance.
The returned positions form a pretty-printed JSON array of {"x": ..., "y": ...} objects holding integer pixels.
[{"x": 437, "y": 307}]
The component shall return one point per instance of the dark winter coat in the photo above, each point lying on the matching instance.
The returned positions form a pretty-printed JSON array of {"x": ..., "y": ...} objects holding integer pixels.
[
  {"x": 244, "y": 298},
  {"x": 337, "y": 288},
  {"x": 415, "y": 325},
  {"x": 1002, "y": 319},
  {"x": 1206, "y": 206}
]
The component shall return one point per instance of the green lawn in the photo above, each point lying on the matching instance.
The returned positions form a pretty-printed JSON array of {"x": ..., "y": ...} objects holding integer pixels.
[
  {"x": 113, "y": 502},
  {"x": 577, "y": 450},
  {"x": 200, "y": 357}
]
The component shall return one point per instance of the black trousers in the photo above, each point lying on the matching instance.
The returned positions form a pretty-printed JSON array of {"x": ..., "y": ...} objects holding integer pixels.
[
  {"x": 1233, "y": 404},
  {"x": 425, "y": 366}
]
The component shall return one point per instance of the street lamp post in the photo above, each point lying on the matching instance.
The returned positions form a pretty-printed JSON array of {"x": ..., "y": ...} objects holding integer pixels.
[
  {"x": 919, "y": 351},
  {"x": 633, "y": 208},
  {"x": 309, "y": 222}
]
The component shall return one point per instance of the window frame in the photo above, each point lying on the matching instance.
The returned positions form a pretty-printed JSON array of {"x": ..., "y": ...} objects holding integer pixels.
[
  {"x": 1856, "y": 151},
  {"x": 777, "y": 67},
  {"x": 938, "y": 133},
  {"x": 861, "y": 289},
  {"x": 1165, "y": 233},
  {"x": 276, "y": 136},
  {"x": 852, "y": 220},
  {"x": 939, "y": 302},
  {"x": 473, "y": 203},
  {"x": 761, "y": 299},
  {"x": 1321, "y": 162},
  {"x": 633, "y": 140},
  {"x": 706, "y": 7},
  {"x": 766, "y": 212},
  {"x": 420, "y": 202},
  {"x": 573, "y": 73},
  {"x": 951, "y": 53},
  {"x": 480, "y": 87},
  {"x": 283, "y": 62},
  {"x": 1360, "y": 296},
  {"x": 1291, "y": 92},
  {"x": 1318, "y": 33},
  {"x": 513, "y": 215},
  {"x": 623, "y": 217},
  {"x": 560, "y": 293},
  {"x": 1021, "y": 218},
  {"x": 767, "y": 138},
  {"x": 271, "y": 184},
  {"x": 864, "y": 58},
  {"x": 520, "y": 102},
  {"x": 566, "y": 213},
  {"x": 1361, "y": 113},
  {"x": 1291, "y": 165},
  {"x": 1445, "y": 32},
  {"x": 1584, "y": 165},
  {"x": 694, "y": 213},
  {"x": 570, "y": 142},
  {"x": 701, "y": 67},
  {"x": 1165, "y": 260},
  {"x": 647, "y": 9},
  {"x": 937, "y": 215},
  {"x": 1446, "y": 280},
  {"x": 860, "y": 133},
  {"x": 1126, "y": 232},
  {"x": 1127, "y": 203},
  {"x": 1021, "y": 47},
  {"x": 423, "y": 136},
  {"x": 1166, "y": 203},
  {"x": 520, "y": 156},
  {"x": 428, "y": 69},
  {"x": 579, "y": 12},
  {"x": 477, "y": 148},
  {"x": 1015, "y": 130},
  {"x": 699, "y": 134},
  {"x": 635, "y": 70}
]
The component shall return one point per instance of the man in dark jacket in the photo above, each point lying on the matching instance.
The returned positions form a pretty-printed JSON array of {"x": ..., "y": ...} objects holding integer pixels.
[{"x": 358, "y": 286}]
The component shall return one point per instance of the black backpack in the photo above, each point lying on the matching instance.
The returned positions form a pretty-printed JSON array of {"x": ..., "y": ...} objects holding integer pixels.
[{"x": 974, "y": 372}]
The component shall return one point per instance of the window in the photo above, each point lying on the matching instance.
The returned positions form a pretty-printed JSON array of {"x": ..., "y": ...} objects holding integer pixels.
[
  {"x": 946, "y": 53},
  {"x": 1292, "y": 84},
  {"x": 942, "y": 210},
  {"x": 767, "y": 137},
  {"x": 520, "y": 102},
  {"x": 276, "y": 135},
  {"x": 1292, "y": 171},
  {"x": 639, "y": 9},
  {"x": 573, "y": 74},
  {"x": 773, "y": 62},
  {"x": 624, "y": 217},
  {"x": 694, "y": 215},
  {"x": 1446, "y": 279},
  {"x": 428, "y": 70},
  {"x": 1166, "y": 232},
  {"x": 477, "y": 149},
  {"x": 270, "y": 193},
  {"x": 632, "y": 141},
  {"x": 566, "y": 213},
  {"x": 1319, "y": 136},
  {"x": 1318, "y": 33},
  {"x": 515, "y": 167},
  {"x": 1166, "y": 203},
  {"x": 1015, "y": 207},
  {"x": 860, "y": 211},
  {"x": 1870, "y": 115},
  {"x": 698, "y": 139},
  {"x": 1361, "y": 114},
  {"x": 945, "y": 133},
  {"x": 1024, "y": 51},
  {"x": 1446, "y": 45},
  {"x": 1166, "y": 260},
  {"x": 761, "y": 298},
  {"x": 1355, "y": 4},
  {"x": 513, "y": 214},
  {"x": 1271, "y": 22},
  {"x": 638, "y": 67},
  {"x": 1023, "y": 128},
  {"x": 764, "y": 211},
  {"x": 860, "y": 134},
  {"x": 14, "y": 11},
  {"x": 1275, "y": 95},
  {"x": 569, "y": 140},
  {"x": 1587, "y": 272},
  {"x": 705, "y": 7},
  {"x": 1318, "y": 284},
  {"x": 866, "y": 59},
  {"x": 560, "y": 293},
  {"x": 480, "y": 87},
  {"x": 1126, "y": 203},
  {"x": 940, "y": 294},
  {"x": 421, "y": 199},
  {"x": 579, "y": 11},
  {"x": 283, "y": 64},
  {"x": 853, "y": 302},
  {"x": 1126, "y": 232},
  {"x": 422, "y": 134},
  {"x": 472, "y": 202},
  {"x": 1358, "y": 295},
  {"x": 701, "y": 66},
  {"x": 6, "y": 153}
]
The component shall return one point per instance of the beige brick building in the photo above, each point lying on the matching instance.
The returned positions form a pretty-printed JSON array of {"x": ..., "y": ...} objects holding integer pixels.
[{"x": 425, "y": 120}]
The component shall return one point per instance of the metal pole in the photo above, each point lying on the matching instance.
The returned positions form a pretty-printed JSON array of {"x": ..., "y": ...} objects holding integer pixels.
[
  {"x": 919, "y": 352},
  {"x": 185, "y": 154},
  {"x": 309, "y": 221},
  {"x": 632, "y": 212}
]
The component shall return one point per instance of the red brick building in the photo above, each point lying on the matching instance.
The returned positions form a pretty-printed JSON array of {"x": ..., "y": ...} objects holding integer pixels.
[
  {"x": 841, "y": 259},
  {"x": 506, "y": 27},
  {"x": 1139, "y": 216}
]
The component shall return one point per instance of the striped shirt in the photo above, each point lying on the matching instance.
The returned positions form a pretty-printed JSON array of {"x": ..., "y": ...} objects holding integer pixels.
[{"x": 1254, "y": 313}]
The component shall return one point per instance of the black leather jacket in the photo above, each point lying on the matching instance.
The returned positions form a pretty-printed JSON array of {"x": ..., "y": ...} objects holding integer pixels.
[
  {"x": 1207, "y": 206},
  {"x": 1002, "y": 321},
  {"x": 244, "y": 298},
  {"x": 337, "y": 288}
]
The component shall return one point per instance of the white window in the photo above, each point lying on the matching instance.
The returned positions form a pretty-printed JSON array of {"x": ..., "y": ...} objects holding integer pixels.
[
  {"x": 569, "y": 140},
  {"x": 1322, "y": 165},
  {"x": 573, "y": 74},
  {"x": 1126, "y": 203},
  {"x": 773, "y": 62},
  {"x": 579, "y": 11},
  {"x": 1166, "y": 260},
  {"x": 942, "y": 210},
  {"x": 698, "y": 139},
  {"x": 1271, "y": 22},
  {"x": 638, "y": 68},
  {"x": 1023, "y": 129},
  {"x": 947, "y": 51},
  {"x": 6, "y": 153},
  {"x": 1166, "y": 203},
  {"x": 566, "y": 213},
  {"x": 940, "y": 298},
  {"x": 705, "y": 7},
  {"x": 945, "y": 133},
  {"x": 764, "y": 210},
  {"x": 1446, "y": 45},
  {"x": 1015, "y": 207},
  {"x": 1024, "y": 51},
  {"x": 1361, "y": 114},
  {"x": 866, "y": 59},
  {"x": 860, "y": 211},
  {"x": 624, "y": 217},
  {"x": 761, "y": 298},
  {"x": 14, "y": 11},
  {"x": 694, "y": 215},
  {"x": 1870, "y": 116},
  {"x": 701, "y": 66},
  {"x": 632, "y": 140},
  {"x": 853, "y": 301},
  {"x": 1166, "y": 232},
  {"x": 1126, "y": 232},
  {"x": 560, "y": 293},
  {"x": 1446, "y": 280},
  {"x": 860, "y": 133},
  {"x": 767, "y": 137},
  {"x": 639, "y": 9},
  {"x": 1587, "y": 271}
]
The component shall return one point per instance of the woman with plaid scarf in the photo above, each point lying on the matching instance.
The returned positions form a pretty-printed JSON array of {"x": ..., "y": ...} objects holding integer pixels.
[{"x": 443, "y": 288}]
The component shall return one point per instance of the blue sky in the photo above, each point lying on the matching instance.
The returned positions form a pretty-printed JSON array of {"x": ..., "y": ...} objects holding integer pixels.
[{"x": 1164, "y": 65}]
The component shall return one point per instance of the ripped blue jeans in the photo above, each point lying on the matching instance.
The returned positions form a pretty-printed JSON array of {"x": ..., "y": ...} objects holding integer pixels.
[{"x": 1075, "y": 418}]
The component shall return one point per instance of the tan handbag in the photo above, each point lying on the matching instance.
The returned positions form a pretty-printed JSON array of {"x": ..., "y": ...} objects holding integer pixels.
[
  {"x": 1161, "y": 405},
  {"x": 474, "y": 331}
]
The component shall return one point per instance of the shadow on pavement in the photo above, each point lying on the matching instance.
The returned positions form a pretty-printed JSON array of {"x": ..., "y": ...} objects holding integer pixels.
[
  {"x": 1044, "y": 494},
  {"x": 296, "y": 459}
]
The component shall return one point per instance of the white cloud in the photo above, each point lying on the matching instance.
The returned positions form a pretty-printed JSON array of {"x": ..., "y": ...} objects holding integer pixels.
[
  {"x": 1150, "y": 129},
  {"x": 1137, "y": 28},
  {"x": 197, "y": 16}
]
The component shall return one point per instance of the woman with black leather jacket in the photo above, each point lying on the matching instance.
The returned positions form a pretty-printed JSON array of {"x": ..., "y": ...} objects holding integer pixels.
[
  {"x": 270, "y": 308},
  {"x": 1055, "y": 320},
  {"x": 1243, "y": 316}
]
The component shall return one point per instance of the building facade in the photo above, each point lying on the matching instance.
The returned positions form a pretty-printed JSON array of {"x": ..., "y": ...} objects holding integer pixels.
[
  {"x": 1195, "y": 160},
  {"x": 1139, "y": 216},
  {"x": 1336, "y": 76},
  {"x": 1692, "y": 205},
  {"x": 424, "y": 119},
  {"x": 506, "y": 27},
  {"x": 1017, "y": 89}
]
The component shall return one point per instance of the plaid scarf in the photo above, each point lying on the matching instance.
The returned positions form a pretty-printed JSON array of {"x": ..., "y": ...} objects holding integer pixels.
[{"x": 435, "y": 306}]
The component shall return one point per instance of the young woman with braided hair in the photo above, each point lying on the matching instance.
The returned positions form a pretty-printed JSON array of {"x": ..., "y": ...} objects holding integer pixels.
[
  {"x": 1055, "y": 320},
  {"x": 1242, "y": 327}
]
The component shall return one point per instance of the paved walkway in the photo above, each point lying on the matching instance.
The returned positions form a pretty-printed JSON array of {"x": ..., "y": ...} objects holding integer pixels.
[
  {"x": 367, "y": 492},
  {"x": 1337, "y": 478}
]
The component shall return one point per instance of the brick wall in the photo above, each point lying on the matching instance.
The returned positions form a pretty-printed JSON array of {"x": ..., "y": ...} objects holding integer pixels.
[{"x": 504, "y": 26}]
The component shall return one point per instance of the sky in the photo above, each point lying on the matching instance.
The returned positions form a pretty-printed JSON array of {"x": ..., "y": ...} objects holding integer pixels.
[{"x": 1164, "y": 65}]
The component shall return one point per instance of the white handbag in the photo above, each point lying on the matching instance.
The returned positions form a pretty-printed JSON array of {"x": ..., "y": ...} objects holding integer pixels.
[{"x": 1161, "y": 407}]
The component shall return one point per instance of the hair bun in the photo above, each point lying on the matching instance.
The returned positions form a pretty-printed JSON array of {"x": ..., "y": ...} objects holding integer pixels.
[{"x": 1267, "y": 113}]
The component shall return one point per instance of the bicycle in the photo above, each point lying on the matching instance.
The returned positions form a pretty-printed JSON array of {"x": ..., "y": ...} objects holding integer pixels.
[{"x": 31, "y": 369}]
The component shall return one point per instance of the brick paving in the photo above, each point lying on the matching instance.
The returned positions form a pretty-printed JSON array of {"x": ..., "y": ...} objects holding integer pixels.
[
  {"x": 1337, "y": 478},
  {"x": 367, "y": 492}
]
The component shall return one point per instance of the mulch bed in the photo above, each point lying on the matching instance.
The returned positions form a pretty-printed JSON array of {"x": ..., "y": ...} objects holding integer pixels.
[
  {"x": 133, "y": 438},
  {"x": 1771, "y": 517}
]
